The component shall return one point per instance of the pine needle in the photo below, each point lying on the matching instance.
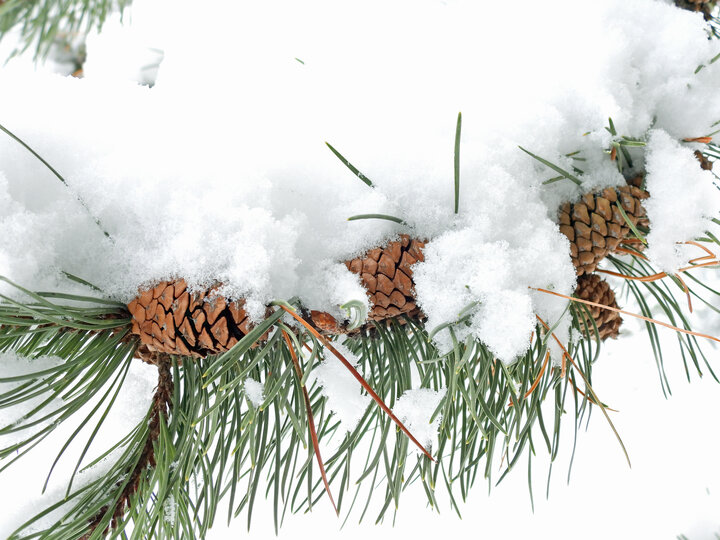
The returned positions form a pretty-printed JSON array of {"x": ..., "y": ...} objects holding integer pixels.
[
  {"x": 357, "y": 375},
  {"x": 457, "y": 161},
  {"x": 350, "y": 166},
  {"x": 59, "y": 177},
  {"x": 311, "y": 421},
  {"x": 554, "y": 167},
  {"x": 377, "y": 216}
]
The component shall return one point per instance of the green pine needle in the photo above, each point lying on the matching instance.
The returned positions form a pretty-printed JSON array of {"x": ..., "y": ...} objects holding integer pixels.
[
  {"x": 42, "y": 22},
  {"x": 57, "y": 174},
  {"x": 457, "y": 161},
  {"x": 554, "y": 167},
  {"x": 377, "y": 216},
  {"x": 216, "y": 447},
  {"x": 350, "y": 166}
]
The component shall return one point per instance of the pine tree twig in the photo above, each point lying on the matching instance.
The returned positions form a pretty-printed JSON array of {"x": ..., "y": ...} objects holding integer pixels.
[{"x": 161, "y": 407}]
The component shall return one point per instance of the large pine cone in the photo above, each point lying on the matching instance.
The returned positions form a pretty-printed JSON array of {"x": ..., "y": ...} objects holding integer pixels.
[
  {"x": 595, "y": 226},
  {"x": 170, "y": 320},
  {"x": 593, "y": 288}
]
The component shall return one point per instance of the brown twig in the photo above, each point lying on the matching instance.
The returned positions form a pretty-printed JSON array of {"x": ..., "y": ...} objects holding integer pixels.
[
  {"x": 161, "y": 406},
  {"x": 311, "y": 421},
  {"x": 617, "y": 310},
  {"x": 359, "y": 378}
]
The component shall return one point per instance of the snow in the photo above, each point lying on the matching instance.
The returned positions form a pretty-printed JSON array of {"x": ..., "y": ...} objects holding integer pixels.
[
  {"x": 219, "y": 173},
  {"x": 672, "y": 171},
  {"x": 169, "y": 509},
  {"x": 125, "y": 52},
  {"x": 479, "y": 264},
  {"x": 254, "y": 391},
  {"x": 415, "y": 409},
  {"x": 344, "y": 394},
  {"x": 14, "y": 365}
]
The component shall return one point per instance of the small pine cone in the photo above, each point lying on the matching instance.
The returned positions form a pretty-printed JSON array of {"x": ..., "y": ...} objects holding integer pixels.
[
  {"x": 593, "y": 288},
  {"x": 170, "y": 320},
  {"x": 595, "y": 226},
  {"x": 387, "y": 276}
]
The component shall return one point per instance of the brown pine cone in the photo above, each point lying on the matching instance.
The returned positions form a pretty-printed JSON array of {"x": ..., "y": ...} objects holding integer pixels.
[
  {"x": 595, "y": 226},
  {"x": 170, "y": 320},
  {"x": 593, "y": 288},
  {"x": 387, "y": 276}
]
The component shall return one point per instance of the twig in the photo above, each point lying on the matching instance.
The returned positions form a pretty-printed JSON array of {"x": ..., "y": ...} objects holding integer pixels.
[
  {"x": 161, "y": 406},
  {"x": 311, "y": 421}
]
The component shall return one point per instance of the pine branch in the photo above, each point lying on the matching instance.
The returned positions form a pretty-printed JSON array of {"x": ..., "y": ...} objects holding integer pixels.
[
  {"x": 217, "y": 446},
  {"x": 40, "y": 22}
]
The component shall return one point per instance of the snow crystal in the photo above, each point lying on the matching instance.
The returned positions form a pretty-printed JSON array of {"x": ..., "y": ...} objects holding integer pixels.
[
  {"x": 346, "y": 287},
  {"x": 341, "y": 389},
  {"x": 224, "y": 177},
  {"x": 169, "y": 509},
  {"x": 415, "y": 408},
  {"x": 683, "y": 199},
  {"x": 254, "y": 391}
]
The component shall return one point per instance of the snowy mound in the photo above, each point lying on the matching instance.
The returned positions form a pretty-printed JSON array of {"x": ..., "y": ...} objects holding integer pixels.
[{"x": 221, "y": 173}]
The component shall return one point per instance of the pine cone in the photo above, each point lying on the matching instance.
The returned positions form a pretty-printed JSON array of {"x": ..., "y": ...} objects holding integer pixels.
[
  {"x": 595, "y": 226},
  {"x": 170, "y": 320},
  {"x": 593, "y": 288},
  {"x": 387, "y": 276}
]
